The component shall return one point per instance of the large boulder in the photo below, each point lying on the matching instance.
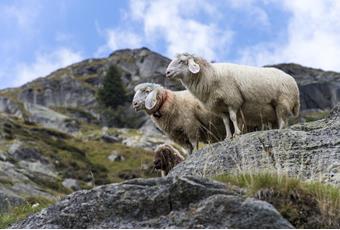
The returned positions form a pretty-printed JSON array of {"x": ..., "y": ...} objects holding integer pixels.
[
  {"x": 168, "y": 202},
  {"x": 309, "y": 151}
]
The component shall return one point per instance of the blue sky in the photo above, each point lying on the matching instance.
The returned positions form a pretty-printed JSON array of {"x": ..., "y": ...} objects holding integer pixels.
[{"x": 37, "y": 37}]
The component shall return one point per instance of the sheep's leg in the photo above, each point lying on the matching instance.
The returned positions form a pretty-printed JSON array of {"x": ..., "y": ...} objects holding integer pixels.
[
  {"x": 227, "y": 126},
  {"x": 189, "y": 148},
  {"x": 281, "y": 114},
  {"x": 163, "y": 173},
  {"x": 233, "y": 118}
]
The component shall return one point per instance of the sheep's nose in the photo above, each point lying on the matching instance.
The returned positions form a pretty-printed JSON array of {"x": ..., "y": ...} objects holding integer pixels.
[
  {"x": 168, "y": 73},
  {"x": 135, "y": 104}
]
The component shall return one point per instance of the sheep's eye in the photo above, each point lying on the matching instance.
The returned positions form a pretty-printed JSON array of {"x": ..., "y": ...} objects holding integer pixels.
[{"x": 182, "y": 62}]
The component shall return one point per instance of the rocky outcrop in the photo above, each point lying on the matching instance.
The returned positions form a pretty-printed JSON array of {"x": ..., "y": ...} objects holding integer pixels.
[
  {"x": 51, "y": 119},
  {"x": 319, "y": 90},
  {"x": 309, "y": 151},
  {"x": 9, "y": 107},
  {"x": 184, "y": 202}
]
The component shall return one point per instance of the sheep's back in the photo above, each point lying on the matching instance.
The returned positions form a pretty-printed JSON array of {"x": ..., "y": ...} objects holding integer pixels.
[{"x": 258, "y": 84}]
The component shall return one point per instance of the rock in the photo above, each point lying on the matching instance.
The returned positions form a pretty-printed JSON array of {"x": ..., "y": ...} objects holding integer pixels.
[
  {"x": 149, "y": 129},
  {"x": 71, "y": 184},
  {"x": 37, "y": 168},
  {"x": 114, "y": 156},
  {"x": 110, "y": 139},
  {"x": 306, "y": 151},
  {"x": 19, "y": 151},
  {"x": 318, "y": 89},
  {"x": 7, "y": 201},
  {"x": 127, "y": 175},
  {"x": 51, "y": 119},
  {"x": 9, "y": 107},
  {"x": 184, "y": 202}
]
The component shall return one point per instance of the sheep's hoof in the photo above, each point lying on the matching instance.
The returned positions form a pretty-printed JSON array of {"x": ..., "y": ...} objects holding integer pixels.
[
  {"x": 228, "y": 137},
  {"x": 235, "y": 135}
]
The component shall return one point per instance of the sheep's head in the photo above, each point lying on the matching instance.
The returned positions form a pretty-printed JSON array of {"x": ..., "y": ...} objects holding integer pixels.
[
  {"x": 141, "y": 93},
  {"x": 182, "y": 66},
  {"x": 166, "y": 158}
]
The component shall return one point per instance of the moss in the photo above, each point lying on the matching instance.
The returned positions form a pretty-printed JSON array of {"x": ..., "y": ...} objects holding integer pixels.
[
  {"x": 305, "y": 205},
  {"x": 314, "y": 116},
  {"x": 15, "y": 214}
]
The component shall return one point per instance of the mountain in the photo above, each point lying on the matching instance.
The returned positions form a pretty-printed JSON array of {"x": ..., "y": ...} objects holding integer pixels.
[
  {"x": 53, "y": 140},
  {"x": 67, "y": 96}
]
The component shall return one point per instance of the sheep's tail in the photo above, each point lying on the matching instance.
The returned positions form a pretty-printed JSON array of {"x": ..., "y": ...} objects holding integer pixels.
[{"x": 296, "y": 108}]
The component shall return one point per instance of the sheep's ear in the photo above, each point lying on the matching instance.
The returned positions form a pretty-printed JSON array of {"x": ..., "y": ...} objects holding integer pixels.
[
  {"x": 193, "y": 66},
  {"x": 151, "y": 100}
]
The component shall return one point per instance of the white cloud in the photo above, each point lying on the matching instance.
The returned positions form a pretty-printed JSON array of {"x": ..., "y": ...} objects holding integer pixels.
[
  {"x": 118, "y": 39},
  {"x": 313, "y": 37},
  {"x": 174, "y": 22},
  {"x": 44, "y": 64},
  {"x": 254, "y": 15},
  {"x": 23, "y": 13}
]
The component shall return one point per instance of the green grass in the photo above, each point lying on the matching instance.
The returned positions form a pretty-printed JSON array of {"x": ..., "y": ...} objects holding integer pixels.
[
  {"x": 314, "y": 116},
  {"x": 304, "y": 204},
  {"x": 32, "y": 205},
  {"x": 135, "y": 158}
]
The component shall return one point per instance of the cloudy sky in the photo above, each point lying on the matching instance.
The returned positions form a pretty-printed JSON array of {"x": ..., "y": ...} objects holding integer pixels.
[{"x": 39, "y": 36}]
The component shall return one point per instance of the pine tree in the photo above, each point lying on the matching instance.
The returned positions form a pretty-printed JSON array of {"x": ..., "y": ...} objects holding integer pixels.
[{"x": 113, "y": 93}]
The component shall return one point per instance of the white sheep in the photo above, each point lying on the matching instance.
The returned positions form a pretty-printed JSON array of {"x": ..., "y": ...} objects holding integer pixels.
[
  {"x": 225, "y": 88},
  {"x": 166, "y": 158},
  {"x": 179, "y": 114}
]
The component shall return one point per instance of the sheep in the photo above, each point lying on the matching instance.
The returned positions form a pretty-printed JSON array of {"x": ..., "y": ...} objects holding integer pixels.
[
  {"x": 166, "y": 158},
  {"x": 224, "y": 88},
  {"x": 179, "y": 114}
]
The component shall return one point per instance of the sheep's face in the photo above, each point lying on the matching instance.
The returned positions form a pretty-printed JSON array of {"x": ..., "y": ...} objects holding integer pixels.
[
  {"x": 141, "y": 93},
  {"x": 182, "y": 66}
]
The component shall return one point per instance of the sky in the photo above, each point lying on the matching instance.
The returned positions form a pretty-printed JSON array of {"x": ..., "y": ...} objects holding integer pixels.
[{"x": 40, "y": 36}]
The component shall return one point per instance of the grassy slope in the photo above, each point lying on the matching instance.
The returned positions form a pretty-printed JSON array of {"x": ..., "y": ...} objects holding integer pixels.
[
  {"x": 72, "y": 157},
  {"x": 304, "y": 204}
]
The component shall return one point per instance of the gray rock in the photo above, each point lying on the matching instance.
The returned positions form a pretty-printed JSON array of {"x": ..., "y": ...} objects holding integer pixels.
[
  {"x": 306, "y": 151},
  {"x": 9, "y": 107},
  {"x": 72, "y": 184},
  {"x": 19, "y": 151},
  {"x": 7, "y": 201},
  {"x": 318, "y": 89},
  {"x": 51, "y": 119},
  {"x": 110, "y": 139},
  {"x": 114, "y": 156},
  {"x": 185, "y": 202}
]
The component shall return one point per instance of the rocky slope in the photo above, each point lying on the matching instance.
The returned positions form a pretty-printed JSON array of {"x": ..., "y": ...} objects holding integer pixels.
[
  {"x": 184, "y": 202},
  {"x": 184, "y": 199},
  {"x": 309, "y": 151}
]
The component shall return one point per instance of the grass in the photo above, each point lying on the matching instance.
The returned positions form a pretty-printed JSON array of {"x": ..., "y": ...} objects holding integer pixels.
[
  {"x": 135, "y": 158},
  {"x": 15, "y": 214},
  {"x": 304, "y": 204},
  {"x": 314, "y": 116}
]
